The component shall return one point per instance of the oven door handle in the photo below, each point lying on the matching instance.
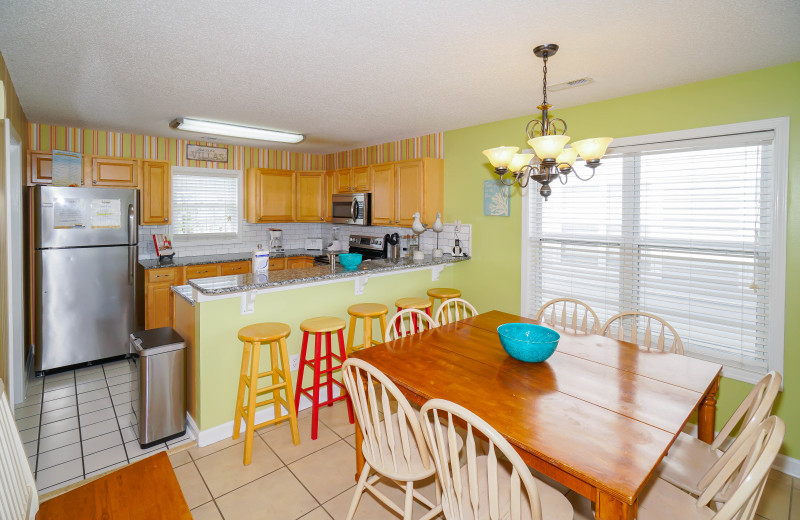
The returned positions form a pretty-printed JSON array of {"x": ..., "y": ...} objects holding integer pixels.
[{"x": 353, "y": 210}]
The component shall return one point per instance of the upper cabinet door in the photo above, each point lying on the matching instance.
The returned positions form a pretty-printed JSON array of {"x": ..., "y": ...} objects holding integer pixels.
[
  {"x": 330, "y": 180},
  {"x": 40, "y": 168},
  {"x": 109, "y": 171},
  {"x": 342, "y": 181},
  {"x": 361, "y": 178},
  {"x": 310, "y": 197},
  {"x": 409, "y": 191},
  {"x": 383, "y": 195},
  {"x": 156, "y": 193},
  {"x": 270, "y": 195}
]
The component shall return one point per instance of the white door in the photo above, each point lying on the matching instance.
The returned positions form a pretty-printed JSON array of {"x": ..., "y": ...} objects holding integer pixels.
[{"x": 15, "y": 304}]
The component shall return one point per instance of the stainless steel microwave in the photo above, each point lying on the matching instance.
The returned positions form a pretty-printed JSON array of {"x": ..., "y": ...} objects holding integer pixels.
[{"x": 351, "y": 208}]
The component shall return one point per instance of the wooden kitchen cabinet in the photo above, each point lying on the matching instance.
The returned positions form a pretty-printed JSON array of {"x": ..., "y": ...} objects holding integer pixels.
[
  {"x": 277, "y": 264},
  {"x": 159, "y": 297},
  {"x": 330, "y": 185},
  {"x": 111, "y": 171},
  {"x": 229, "y": 268},
  {"x": 310, "y": 192},
  {"x": 155, "y": 193},
  {"x": 349, "y": 180},
  {"x": 299, "y": 262},
  {"x": 383, "y": 195},
  {"x": 40, "y": 168},
  {"x": 192, "y": 272},
  {"x": 403, "y": 188},
  {"x": 270, "y": 195}
]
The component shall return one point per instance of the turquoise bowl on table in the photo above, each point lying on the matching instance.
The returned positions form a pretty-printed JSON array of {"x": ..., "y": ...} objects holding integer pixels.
[
  {"x": 527, "y": 341},
  {"x": 350, "y": 261}
]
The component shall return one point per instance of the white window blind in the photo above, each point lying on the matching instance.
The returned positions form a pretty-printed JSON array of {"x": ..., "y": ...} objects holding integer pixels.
[
  {"x": 205, "y": 203},
  {"x": 681, "y": 229}
]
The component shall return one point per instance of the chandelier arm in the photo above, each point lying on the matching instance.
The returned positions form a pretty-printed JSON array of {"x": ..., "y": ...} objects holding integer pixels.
[
  {"x": 582, "y": 178},
  {"x": 562, "y": 176},
  {"x": 503, "y": 179},
  {"x": 552, "y": 125},
  {"x": 524, "y": 176},
  {"x": 531, "y": 128}
]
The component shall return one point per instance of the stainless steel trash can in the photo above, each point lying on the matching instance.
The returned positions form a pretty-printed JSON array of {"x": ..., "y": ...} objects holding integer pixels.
[{"x": 158, "y": 388}]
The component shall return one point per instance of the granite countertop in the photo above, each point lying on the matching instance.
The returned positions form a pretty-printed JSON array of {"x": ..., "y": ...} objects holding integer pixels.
[
  {"x": 179, "y": 261},
  {"x": 184, "y": 291},
  {"x": 249, "y": 281}
]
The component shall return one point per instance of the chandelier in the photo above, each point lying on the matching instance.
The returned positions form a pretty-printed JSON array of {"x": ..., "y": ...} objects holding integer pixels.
[{"x": 546, "y": 136}]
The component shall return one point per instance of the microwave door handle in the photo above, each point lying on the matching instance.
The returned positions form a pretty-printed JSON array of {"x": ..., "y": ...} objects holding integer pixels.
[{"x": 353, "y": 210}]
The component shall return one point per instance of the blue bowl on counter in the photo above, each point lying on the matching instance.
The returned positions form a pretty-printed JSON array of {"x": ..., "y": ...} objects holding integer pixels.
[
  {"x": 528, "y": 342},
  {"x": 350, "y": 261}
]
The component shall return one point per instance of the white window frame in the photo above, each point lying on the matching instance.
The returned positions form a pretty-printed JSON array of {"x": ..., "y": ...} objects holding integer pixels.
[
  {"x": 209, "y": 239},
  {"x": 777, "y": 298}
]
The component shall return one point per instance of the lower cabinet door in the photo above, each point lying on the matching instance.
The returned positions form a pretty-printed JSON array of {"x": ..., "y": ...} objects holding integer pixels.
[{"x": 158, "y": 300}]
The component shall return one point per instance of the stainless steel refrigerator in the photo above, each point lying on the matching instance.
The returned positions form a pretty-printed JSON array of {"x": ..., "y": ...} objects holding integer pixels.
[{"x": 85, "y": 242}]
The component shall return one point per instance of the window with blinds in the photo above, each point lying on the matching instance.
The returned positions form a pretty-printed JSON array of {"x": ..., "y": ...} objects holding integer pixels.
[
  {"x": 684, "y": 229},
  {"x": 205, "y": 203}
]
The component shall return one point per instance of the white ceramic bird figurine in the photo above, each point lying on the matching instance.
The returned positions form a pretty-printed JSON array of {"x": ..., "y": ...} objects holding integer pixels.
[
  {"x": 417, "y": 227},
  {"x": 437, "y": 226}
]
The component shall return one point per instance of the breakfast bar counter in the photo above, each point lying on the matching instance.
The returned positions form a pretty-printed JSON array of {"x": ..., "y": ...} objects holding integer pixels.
[
  {"x": 248, "y": 282},
  {"x": 209, "y": 312}
]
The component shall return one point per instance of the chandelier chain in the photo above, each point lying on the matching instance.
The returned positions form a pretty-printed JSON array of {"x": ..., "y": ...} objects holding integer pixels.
[{"x": 544, "y": 80}]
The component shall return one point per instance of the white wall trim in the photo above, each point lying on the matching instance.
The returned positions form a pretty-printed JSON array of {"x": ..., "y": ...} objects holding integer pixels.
[{"x": 225, "y": 430}]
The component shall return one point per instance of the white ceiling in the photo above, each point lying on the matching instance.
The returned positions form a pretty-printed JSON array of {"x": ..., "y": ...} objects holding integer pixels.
[{"x": 360, "y": 72}]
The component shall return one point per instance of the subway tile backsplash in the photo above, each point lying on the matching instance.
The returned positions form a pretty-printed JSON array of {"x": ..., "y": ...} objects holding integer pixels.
[{"x": 294, "y": 235}]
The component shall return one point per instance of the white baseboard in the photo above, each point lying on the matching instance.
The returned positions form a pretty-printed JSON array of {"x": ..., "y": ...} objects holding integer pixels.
[
  {"x": 783, "y": 463},
  {"x": 224, "y": 431}
]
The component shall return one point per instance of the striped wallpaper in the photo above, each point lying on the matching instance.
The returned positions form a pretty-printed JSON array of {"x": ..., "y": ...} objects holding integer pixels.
[{"x": 117, "y": 144}]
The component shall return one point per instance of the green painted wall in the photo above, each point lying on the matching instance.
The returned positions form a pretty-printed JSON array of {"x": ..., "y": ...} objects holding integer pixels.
[
  {"x": 491, "y": 280},
  {"x": 220, "y": 352}
]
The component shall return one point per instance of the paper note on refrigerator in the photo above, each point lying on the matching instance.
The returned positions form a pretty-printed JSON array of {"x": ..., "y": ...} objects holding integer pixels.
[
  {"x": 66, "y": 168},
  {"x": 68, "y": 214},
  {"x": 105, "y": 213}
]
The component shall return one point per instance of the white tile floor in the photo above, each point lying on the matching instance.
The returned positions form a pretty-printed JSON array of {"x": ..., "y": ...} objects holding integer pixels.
[{"x": 79, "y": 423}]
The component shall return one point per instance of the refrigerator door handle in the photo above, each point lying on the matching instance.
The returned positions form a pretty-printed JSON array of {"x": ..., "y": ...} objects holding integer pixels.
[
  {"x": 131, "y": 264},
  {"x": 132, "y": 238}
]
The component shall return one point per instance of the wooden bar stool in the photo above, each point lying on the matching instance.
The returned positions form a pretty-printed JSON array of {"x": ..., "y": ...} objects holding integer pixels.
[
  {"x": 420, "y": 304},
  {"x": 368, "y": 311},
  {"x": 319, "y": 326},
  {"x": 253, "y": 336},
  {"x": 443, "y": 293}
]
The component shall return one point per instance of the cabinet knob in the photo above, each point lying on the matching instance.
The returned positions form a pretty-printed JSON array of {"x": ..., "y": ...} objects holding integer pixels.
[
  {"x": 166, "y": 219},
  {"x": 94, "y": 181}
]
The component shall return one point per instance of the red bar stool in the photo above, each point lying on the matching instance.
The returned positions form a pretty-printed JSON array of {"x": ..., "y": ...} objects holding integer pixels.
[
  {"x": 319, "y": 326},
  {"x": 420, "y": 304}
]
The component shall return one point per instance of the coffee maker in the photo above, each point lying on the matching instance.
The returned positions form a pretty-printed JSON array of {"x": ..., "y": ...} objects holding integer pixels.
[{"x": 275, "y": 240}]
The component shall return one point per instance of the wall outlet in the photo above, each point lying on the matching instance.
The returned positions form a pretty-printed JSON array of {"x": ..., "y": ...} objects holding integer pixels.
[{"x": 294, "y": 362}]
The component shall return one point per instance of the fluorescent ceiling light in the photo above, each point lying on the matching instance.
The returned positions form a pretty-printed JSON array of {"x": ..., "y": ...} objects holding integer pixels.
[{"x": 248, "y": 132}]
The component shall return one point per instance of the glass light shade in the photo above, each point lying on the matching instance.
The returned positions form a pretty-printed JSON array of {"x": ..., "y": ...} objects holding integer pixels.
[
  {"x": 519, "y": 160},
  {"x": 501, "y": 156},
  {"x": 548, "y": 146},
  {"x": 592, "y": 149},
  {"x": 567, "y": 156}
]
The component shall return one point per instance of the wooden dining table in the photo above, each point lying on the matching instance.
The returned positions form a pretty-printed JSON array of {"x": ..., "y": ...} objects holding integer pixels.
[{"x": 597, "y": 416}]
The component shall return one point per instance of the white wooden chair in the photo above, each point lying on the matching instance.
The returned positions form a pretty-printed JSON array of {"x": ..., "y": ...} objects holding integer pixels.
[
  {"x": 570, "y": 314},
  {"x": 740, "y": 474},
  {"x": 492, "y": 486},
  {"x": 18, "y": 496},
  {"x": 627, "y": 325},
  {"x": 689, "y": 459},
  {"x": 393, "y": 445},
  {"x": 417, "y": 322},
  {"x": 454, "y": 309}
]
